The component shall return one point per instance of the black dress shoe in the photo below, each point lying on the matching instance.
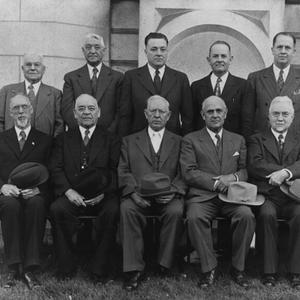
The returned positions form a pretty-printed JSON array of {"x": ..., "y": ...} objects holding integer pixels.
[
  {"x": 295, "y": 281},
  {"x": 239, "y": 277},
  {"x": 207, "y": 279},
  {"x": 31, "y": 280},
  {"x": 132, "y": 280},
  {"x": 12, "y": 277},
  {"x": 269, "y": 280}
]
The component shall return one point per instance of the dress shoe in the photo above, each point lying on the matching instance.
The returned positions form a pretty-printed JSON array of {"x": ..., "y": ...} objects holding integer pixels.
[
  {"x": 207, "y": 279},
  {"x": 132, "y": 280},
  {"x": 295, "y": 281},
  {"x": 269, "y": 280},
  {"x": 239, "y": 277},
  {"x": 12, "y": 277},
  {"x": 31, "y": 280}
]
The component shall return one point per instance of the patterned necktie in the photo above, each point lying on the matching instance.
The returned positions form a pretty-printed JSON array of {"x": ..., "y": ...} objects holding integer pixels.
[
  {"x": 86, "y": 137},
  {"x": 280, "y": 81},
  {"x": 94, "y": 81},
  {"x": 217, "y": 90},
  {"x": 155, "y": 140},
  {"x": 280, "y": 144},
  {"x": 22, "y": 140},
  {"x": 218, "y": 142},
  {"x": 157, "y": 82},
  {"x": 32, "y": 99}
]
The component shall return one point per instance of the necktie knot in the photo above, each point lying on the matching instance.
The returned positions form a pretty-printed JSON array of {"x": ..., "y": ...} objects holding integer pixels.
[
  {"x": 86, "y": 137},
  {"x": 280, "y": 139},
  {"x": 22, "y": 134},
  {"x": 22, "y": 140},
  {"x": 95, "y": 71},
  {"x": 30, "y": 87}
]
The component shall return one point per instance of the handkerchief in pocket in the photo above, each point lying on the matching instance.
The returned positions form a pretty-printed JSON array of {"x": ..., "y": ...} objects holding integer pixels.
[{"x": 236, "y": 153}]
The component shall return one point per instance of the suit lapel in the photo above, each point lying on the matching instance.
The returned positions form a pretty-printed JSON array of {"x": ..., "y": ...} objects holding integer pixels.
[
  {"x": 169, "y": 80},
  {"x": 30, "y": 143},
  {"x": 270, "y": 83},
  {"x": 96, "y": 145},
  {"x": 289, "y": 144},
  {"x": 142, "y": 142},
  {"x": 42, "y": 99},
  {"x": 269, "y": 142},
  {"x": 291, "y": 83},
  {"x": 84, "y": 80},
  {"x": 73, "y": 142},
  {"x": 145, "y": 79},
  {"x": 166, "y": 148},
  {"x": 103, "y": 82},
  {"x": 227, "y": 90},
  {"x": 12, "y": 142},
  {"x": 228, "y": 150}
]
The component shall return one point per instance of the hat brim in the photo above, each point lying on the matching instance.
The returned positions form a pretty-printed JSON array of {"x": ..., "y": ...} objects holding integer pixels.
[
  {"x": 147, "y": 195},
  {"x": 285, "y": 189},
  {"x": 260, "y": 199}
]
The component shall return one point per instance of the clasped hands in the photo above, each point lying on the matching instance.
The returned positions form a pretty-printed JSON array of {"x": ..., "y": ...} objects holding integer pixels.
[
  {"x": 79, "y": 200},
  {"x": 278, "y": 177},
  {"x": 14, "y": 191},
  {"x": 142, "y": 202},
  {"x": 222, "y": 182}
]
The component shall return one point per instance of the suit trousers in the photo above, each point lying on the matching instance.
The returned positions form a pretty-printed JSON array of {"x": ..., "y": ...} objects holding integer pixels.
[
  {"x": 23, "y": 225},
  {"x": 279, "y": 205},
  {"x": 64, "y": 216},
  {"x": 242, "y": 224},
  {"x": 133, "y": 222}
]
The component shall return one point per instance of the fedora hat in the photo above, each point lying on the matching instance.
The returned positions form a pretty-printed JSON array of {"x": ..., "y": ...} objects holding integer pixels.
[
  {"x": 155, "y": 184},
  {"x": 292, "y": 189},
  {"x": 242, "y": 192},
  {"x": 28, "y": 175}
]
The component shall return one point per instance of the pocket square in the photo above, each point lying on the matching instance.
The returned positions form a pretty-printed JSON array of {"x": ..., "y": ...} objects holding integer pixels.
[{"x": 236, "y": 153}]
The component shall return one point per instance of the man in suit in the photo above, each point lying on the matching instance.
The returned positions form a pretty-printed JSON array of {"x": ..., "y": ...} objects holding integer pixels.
[
  {"x": 235, "y": 91},
  {"x": 274, "y": 158},
  {"x": 152, "y": 150},
  {"x": 280, "y": 79},
  {"x": 95, "y": 79},
  {"x": 44, "y": 99},
  {"x": 22, "y": 211},
  {"x": 210, "y": 160},
  {"x": 84, "y": 173},
  {"x": 155, "y": 78}
]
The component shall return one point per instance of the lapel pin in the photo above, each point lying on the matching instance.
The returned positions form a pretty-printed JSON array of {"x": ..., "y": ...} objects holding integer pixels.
[{"x": 33, "y": 143}]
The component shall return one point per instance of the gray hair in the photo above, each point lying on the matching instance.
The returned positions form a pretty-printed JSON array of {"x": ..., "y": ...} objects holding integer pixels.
[
  {"x": 93, "y": 36},
  {"x": 283, "y": 99}
]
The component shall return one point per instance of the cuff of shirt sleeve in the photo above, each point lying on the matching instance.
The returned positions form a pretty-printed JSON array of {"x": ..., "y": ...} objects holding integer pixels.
[
  {"x": 236, "y": 176},
  {"x": 290, "y": 174}
]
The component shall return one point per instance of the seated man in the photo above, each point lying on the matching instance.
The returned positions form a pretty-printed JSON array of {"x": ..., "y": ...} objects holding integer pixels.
[
  {"x": 84, "y": 173},
  {"x": 274, "y": 158},
  {"x": 152, "y": 152},
  {"x": 23, "y": 208},
  {"x": 211, "y": 159}
]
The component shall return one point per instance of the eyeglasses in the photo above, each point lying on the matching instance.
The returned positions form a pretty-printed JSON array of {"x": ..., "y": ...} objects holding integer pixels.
[
  {"x": 277, "y": 114},
  {"x": 16, "y": 108}
]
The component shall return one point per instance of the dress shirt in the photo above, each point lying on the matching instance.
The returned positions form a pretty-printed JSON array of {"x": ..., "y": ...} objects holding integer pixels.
[
  {"x": 36, "y": 87},
  {"x": 83, "y": 129},
  {"x": 26, "y": 130},
  {"x": 276, "y": 71},
  {"x": 160, "y": 134},
  {"x": 214, "y": 78},
  {"x": 152, "y": 72},
  {"x": 91, "y": 68},
  {"x": 213, "y": 135}
]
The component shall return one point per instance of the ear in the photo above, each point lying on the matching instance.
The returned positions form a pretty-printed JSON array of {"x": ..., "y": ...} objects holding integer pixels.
[{"x": 202, "y": 115}]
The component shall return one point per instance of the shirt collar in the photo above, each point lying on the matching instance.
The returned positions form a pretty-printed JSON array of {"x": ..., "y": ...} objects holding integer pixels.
[
  {"x": 90, "y": 69},
  {"x": 224, "y": 77},
  {"x": 276, "y": 71},
  {"x": 276, "y": 134},
  {"x": 26, "y": 130},
  {"x": 160, "y": 132},
  {"x": 213, "y": 134},
  {"x": 152, "y": 71},
  {"x": 83, "y": 129},
  {"x": 36, "y": 86}
]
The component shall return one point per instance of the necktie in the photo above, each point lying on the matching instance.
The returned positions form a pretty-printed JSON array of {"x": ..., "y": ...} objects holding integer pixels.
[
  {"x": 22, "y": 140},
  {"x": 280, "y": 144},
  {"x": 280, "y": 81},
  {"x": 94, "y": 81},
  {"x": 217, "y": 90},
  {"x": 218, "y": 142},
  {"x": 157, "y": 82},
  {"x": 155, "y": 140},
  {"x": 86, "y": 137},
  {"x": 32, "y": 99}
]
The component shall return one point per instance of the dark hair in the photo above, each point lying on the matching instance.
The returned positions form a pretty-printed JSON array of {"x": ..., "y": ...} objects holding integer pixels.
[
  {"x": 155, "y": 35},
  {"x": 286, "y": 34},
  {"x": 219, "y": 43}
]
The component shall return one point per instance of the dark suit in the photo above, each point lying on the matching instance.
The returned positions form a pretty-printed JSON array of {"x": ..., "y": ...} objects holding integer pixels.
[
  {"x": 99, "y": 177},
  {"x": 109, "y": 84},
  {"x": 263, "y": 160},
  {"x": 138, "y": 87},
  {"x": 135, "y": 162},
  {"x": 265, "y": 89},
  {"x": 237, "y": 96},
  {"x": 200, "y": 163},
  {"x": 47, "y": 117},
  {"x": 23, "y": 220}
]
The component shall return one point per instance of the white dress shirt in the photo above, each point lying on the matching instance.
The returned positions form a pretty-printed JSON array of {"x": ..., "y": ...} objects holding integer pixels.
[
  {"x": 26, "y": 130},
  {"x": 276, "y": 71},
  {"x": 36, "y": 87},
  {"x": 214, "y": 78},
  {"x": 83, "y": 129},
  {"x": 156, "y": 138},
  {"x": 213, "y": 135},
  {"x": 152, "y": 72},
  {"x": 91, "y": 68}
]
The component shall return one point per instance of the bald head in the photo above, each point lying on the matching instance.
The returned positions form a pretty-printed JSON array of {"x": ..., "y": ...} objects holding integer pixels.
[
  {"x": 157, "y": 98},
  {"x": 33, "y": 67}
]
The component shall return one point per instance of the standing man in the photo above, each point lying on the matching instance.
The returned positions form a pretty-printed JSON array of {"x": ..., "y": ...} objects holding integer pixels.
[
  {"x": 150, "y": 180},
  {"x": 155, "y": 78},
  {"x": 45, "y": 100},
  {"x": 210, "y": 160},
  {"x": 274, "y": 158},
  {"x": 280, "y": 79},
  {"x": 95, "y": 79},
  {"x": 84, "y": 173},
  {"x": 235, "y": 91},
  {"x": 22, "y": 211}
]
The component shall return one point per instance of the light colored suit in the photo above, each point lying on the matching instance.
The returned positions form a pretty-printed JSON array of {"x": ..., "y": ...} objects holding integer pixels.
[{"x": 47, "y": 115}]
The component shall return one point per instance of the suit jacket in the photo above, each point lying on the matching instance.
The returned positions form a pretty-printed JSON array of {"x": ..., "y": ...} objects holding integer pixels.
[
  {"x": 200, "y": 163},
  {"x": 239, "y": 101},
  {"x": 101, "y": 172},
  {"x": 109, "y": 84},
  {"x": 138, "y": 87},
  {"x": 265, "y": 90},
  {"x": 135, "y": 161},
  {"x": 36, "y": 149},
  {"x": 263, "y": 158},
  {"x": 47, "y": 116}
]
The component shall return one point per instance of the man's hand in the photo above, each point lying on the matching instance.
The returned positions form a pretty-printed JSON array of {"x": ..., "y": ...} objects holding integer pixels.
[
  {"x": 75, "y": 197},
  {"x": 29, "y": 193},
  {"x": 222, "y": 182},
  {"x": 165, "y": 198},
  {"x": 138, "y": 200},
  {"x": 10, "y": 190},
  {"x": 278, "y": 177},
  {"x": 95, "y": 200}
]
